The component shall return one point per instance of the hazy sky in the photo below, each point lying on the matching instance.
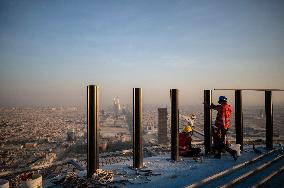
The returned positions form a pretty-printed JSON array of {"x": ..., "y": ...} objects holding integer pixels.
[{"x": 51, "y": 50}]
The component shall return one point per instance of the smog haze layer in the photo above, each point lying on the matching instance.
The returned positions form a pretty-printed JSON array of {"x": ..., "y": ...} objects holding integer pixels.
[{"x": 51, "y": 50}]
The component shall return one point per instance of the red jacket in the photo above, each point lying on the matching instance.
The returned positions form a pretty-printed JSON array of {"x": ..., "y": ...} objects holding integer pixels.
[
  {"x": 223, "y": 115},
  {"x": 184, "y": 143}
]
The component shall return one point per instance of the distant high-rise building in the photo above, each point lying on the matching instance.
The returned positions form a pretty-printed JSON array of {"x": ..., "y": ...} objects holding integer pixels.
[
  {"x": 162, "y": 126},
  {"x": 129, "y": 120},
  {"x": 116, "y": 107},
  {"x": 71, "y": 135}
]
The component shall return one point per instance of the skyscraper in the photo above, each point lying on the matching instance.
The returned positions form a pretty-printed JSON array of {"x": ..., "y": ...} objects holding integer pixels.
[
  {"x": 116, "y": 106},
  {"x": 162, "y": 126}
]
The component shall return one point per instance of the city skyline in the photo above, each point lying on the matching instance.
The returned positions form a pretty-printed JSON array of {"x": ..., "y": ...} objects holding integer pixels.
[{"x": 51, "y": 50}]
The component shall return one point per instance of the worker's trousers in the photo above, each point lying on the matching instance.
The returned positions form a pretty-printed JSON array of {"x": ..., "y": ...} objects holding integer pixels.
[{"x": 220, "y": 141}]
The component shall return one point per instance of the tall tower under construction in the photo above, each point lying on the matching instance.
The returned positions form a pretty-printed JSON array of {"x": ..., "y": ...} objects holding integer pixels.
[{"x": 162, "y": 126}]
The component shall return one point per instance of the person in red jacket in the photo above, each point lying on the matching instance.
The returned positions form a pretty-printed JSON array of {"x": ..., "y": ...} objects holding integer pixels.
[
  {"x": 221, "y": 127},
  {"x": 185, "y": 147}
]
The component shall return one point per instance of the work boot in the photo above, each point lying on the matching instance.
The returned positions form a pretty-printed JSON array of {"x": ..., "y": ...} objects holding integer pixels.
[
  {"x": 217, "y": 155},
  {"x": 234, "y": 154}
]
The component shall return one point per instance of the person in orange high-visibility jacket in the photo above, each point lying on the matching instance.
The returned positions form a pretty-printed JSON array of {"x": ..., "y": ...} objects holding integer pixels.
[{"x": 221, "y": 127}]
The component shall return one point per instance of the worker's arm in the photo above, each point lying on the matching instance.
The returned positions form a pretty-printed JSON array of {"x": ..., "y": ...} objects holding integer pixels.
[
  {"x": 212, "y": 106},
  {"x": 189, "y": 139}
]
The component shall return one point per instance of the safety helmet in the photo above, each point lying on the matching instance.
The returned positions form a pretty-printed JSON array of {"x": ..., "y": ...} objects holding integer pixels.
[
  {"x": 222, "y": 99},
  {"x": 187, "y": 129}
]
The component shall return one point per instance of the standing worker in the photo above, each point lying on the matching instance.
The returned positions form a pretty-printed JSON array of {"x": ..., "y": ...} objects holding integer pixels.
[{"x": 221, "y": 127}]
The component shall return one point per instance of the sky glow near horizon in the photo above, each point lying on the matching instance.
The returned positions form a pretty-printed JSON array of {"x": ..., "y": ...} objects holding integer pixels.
[{"x": 51, "y": 50}]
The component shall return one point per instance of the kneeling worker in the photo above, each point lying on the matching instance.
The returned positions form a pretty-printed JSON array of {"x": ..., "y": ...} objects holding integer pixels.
[{"x": 185, "y": 147}]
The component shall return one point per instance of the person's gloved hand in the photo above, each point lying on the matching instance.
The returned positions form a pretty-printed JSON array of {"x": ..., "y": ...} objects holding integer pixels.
[{"x": 183, "y": 147}]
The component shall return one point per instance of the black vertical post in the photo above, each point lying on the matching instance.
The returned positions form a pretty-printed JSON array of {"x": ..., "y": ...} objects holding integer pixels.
[
  {"x": 269, "y": 119},
  {"x": 137, "y": 128},
  {"x": 92, "y": 120},
  {"x": 207, "y": 121},
  {"x": 174, "y": 124},
  {"x": 239, "y": 118}
]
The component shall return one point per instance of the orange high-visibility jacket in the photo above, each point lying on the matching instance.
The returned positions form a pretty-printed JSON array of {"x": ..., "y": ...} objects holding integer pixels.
[{"x": 223, "y": 115}]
